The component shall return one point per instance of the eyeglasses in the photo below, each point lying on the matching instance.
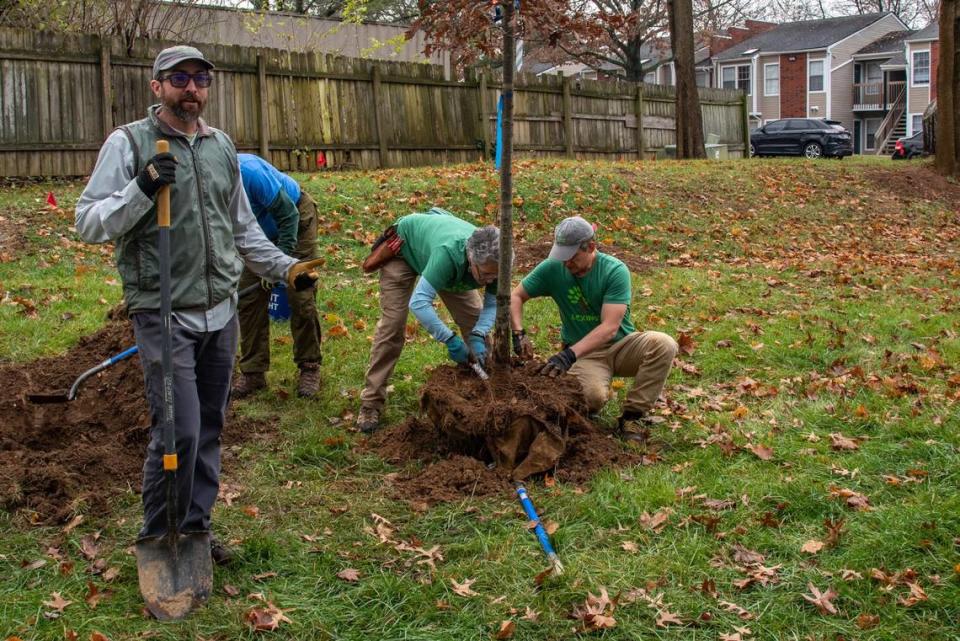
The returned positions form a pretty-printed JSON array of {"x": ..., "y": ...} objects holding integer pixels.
[{"x": 181, "y": 79}]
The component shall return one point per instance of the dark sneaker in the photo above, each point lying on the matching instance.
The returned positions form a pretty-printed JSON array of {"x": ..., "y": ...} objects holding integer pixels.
[
  {"x": 247, "y": 384},
  {"x": 368, "y": 421},
  {"x": 309, "y": 383},
  {"x": 220, "y": 553},
  {"x": 635, "y": 426}
]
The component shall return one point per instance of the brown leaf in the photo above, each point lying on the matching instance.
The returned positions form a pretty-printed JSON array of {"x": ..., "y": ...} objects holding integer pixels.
[
  {"x": 98, "y": 636},
  {"x": 812, "y": 546},
  {"x": 463, "y": 589},
  {"x": 531, "y": 615},
  {"x": 665, "y": 618},
  {"x": 57, "y": 602},
  {"x": 506, "y": 630},
  {"x": 550, "y": 527},
  {"x": 744, "y": 614},
  {"x": 74, "y": 522},
  {"x": 867, "y": 621},
  {"x": 822, "y": 600},
  {"x": 840, "y": 442},
  {"x": 349, "y": 574},
  {"x": 111, "y": 574},
  {"x": 230, "y": 589},
  {"x": 33, "y": 565},
  {"x": 630, "y": 546},
  {"x": 746, "y": 556},
  {"x": 916, "y": 595},
  {"x": 88, "y": 546},
  {"x": 543, "y": 576},
  {"x": 686, "y": 343},
  {"x": 266, "y": 619},
  {"x": 834, "y": 531},
  {"x": 657, "y": 522},
  {"x": 252, "y": 511},
  {"x": 762, "y": 452},
  {"x": 94, "y": 595},
  {"x": 263, "y": 576}
]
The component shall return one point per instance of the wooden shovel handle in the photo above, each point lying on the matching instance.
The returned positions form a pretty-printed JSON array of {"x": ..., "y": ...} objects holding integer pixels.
[{"x": 163, "y": 196}]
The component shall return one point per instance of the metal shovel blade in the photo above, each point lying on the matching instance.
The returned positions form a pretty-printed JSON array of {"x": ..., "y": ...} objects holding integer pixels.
[{"x": 174, "y": 579}]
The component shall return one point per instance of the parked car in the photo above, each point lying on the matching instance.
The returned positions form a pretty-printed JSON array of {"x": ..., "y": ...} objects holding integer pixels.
[
  {"x": 810, "y": 137},
  {"x": 907, "y": 148}
]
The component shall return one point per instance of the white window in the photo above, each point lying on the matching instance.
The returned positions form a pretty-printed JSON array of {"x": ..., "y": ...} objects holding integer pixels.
[
  {"x": 874, "y": 78},
  {"x": 815, "y": 76},
  {"x": 870, "y": 132},
  {"x": 771, "y": 79},
  {"x": 737, "y": 77},
  {"x": 921, "y": 67},
  {"x": 650, "y": 77},
  {"x": 917, "y": 124}
]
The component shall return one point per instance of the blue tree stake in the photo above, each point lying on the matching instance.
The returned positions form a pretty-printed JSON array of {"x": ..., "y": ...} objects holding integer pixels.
[{"x": 542, "y": 536}]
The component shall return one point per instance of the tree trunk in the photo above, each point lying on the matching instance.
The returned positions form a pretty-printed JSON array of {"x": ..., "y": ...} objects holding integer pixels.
[
  {"x": 505, "y": 275},
  {"x": 948, "y": 86},
  {"x": 689, "y": 118}
]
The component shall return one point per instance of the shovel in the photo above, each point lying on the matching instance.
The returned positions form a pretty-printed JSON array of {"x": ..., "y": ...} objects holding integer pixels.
[
  {"x": 175, "y": 569},
  {"x": 71, "y": 394}
]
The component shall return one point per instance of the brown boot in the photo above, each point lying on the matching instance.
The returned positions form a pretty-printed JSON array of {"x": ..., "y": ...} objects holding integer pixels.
[
  {"x": 635, "y": 426},
  {"x": 247, "y": 384},
  {"x": 368, "y": 421},
  {"x": 309, "y": 383}
]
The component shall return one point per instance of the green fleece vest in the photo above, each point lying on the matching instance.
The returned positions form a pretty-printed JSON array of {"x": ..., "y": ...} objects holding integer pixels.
[{"x": 205, "y": 264}]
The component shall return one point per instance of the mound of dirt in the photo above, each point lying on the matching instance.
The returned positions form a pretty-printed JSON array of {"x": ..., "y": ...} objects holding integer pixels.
[
  {"x": 468, "y": 442},
  {"x": 58, "y": 459}
]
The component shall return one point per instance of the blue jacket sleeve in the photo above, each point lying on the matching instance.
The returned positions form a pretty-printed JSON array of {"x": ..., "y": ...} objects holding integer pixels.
[
  {"x": 421, "y": 304},
  {"x": 487, "y": 315}
]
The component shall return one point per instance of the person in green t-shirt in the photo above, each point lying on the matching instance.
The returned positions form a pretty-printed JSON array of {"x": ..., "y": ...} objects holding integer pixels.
[
  {"x": 592, "y": 292},
  {"x": 439, "y": 254}
]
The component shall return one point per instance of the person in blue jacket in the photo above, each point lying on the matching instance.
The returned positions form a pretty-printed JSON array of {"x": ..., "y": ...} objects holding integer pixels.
[{"x": 288, "y": 216}]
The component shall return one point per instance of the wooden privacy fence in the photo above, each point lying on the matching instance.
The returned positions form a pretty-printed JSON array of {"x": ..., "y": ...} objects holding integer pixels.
[{"x": 62, "y": 94}]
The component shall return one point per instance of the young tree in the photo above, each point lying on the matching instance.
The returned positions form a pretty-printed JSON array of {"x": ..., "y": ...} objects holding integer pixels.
[
  {"x": 689, "y": 119},
  {"x": 948, "y": 89}
]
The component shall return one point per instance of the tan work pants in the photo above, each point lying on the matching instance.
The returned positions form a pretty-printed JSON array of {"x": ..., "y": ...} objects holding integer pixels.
[
  {"x": 644, "y": 356},
  {"x": 397, "y": 281}
]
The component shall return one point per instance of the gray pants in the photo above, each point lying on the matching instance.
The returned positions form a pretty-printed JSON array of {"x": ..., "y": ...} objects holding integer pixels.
[{"x": 202, "y": 368}]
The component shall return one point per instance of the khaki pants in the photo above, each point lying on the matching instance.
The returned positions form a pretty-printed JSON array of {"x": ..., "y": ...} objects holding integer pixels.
[
  {"x": 397, "y": 281},
  {"x": 644, "y": 356},
  {"x": 304, "y": 320}
]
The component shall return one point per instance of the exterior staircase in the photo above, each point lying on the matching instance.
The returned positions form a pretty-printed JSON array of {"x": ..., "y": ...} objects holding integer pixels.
[{"x": 898, "y": 131}]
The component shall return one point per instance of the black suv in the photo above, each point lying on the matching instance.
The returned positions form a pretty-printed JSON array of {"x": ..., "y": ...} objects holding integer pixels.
[{"x": 810, "y": 137}]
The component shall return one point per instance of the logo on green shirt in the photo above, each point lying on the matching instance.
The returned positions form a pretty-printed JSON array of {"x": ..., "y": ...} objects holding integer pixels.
[{"x": 576, "y": 297}]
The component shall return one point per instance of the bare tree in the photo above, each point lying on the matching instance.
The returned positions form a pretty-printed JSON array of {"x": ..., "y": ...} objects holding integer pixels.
[
  {"x": 915, "y": 13},
  {"x": 948, "y": 90},
  {"x": 689, "y": 118}
]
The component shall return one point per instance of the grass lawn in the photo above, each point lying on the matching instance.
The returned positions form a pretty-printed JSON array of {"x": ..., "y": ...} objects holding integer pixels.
[{"x": 808, "y": 481}]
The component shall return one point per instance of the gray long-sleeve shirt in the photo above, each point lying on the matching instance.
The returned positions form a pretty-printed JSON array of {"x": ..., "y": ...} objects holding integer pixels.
[{"x": 112, "y": 204}]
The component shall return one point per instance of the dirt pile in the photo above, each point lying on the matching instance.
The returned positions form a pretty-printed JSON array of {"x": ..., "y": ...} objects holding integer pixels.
[
  {"x": 475, "y": 437},
  {"x": 58, "y": 459}
]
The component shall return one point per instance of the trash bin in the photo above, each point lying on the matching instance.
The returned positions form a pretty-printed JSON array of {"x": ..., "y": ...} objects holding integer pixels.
[
  {"x": 716, "y": 152},
  {"x": 279, "y": 306}
]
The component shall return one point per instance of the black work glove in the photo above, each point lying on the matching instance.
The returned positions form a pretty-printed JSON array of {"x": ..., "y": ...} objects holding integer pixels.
[
  {"x": 559, "y": 363},
  {"x": 159, "y": 171},
  {"x": 522, "y": 346}
]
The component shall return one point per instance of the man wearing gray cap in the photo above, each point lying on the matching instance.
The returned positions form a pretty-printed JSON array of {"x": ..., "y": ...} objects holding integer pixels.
[
  {"x": 213, "y": 234},
  {"x": 592, "y": 291}
]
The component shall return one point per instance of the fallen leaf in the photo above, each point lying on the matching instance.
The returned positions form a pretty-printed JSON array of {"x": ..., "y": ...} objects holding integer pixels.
[
  {"x": 550, "y": 527},
  {"x": 657, "y": 522},
  {"x": 916, "y": 595},
  {"x": 252, "y": 511},
  {"x": 506, "y": 629},
  {"x": 263, "y": 576},
  {"x": 812, "y": 546},
  {"x": 267, "y": 619},
  {"x": 463, "y": 589},
  {"x": 531, "y": 615},
  {"x": 349, "y": 574},
  {"x": 867, "y": 621},
  {"x": 74, "y": 522},
  {"x": 111, "y": 574},
  {"x": 88, "y": 546},
  {"x": 665, "y": 618},
  {"x": 630, "y": 546},
  {"x": 840, "y": 442},
  {"x": 822, "y": 600},
  {"x": 98, "y": 636},
  {"x": 94, "y": 595},
  {"x": 762, "y": 452},
  {"x": 230, "y": 589},
  {"x": 57, "y": 602}
]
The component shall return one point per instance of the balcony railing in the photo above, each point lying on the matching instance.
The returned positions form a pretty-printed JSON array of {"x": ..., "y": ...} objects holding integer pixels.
[{"x": 871, "y": 95}]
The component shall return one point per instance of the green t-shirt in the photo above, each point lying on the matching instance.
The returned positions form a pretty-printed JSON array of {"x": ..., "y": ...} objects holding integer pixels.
[
  {"x": 580, "y": 299},
  {"x": 435, "y": 246}
]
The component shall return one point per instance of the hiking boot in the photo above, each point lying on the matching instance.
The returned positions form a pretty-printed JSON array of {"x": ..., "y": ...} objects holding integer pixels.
[
  {"x": 220, "y": 553},
  {"x": 247, "y": 384},
  {"x": 309, "y": 383},
  {"x": 368, "y": 421},
  {"x": 635, "y": 426}
]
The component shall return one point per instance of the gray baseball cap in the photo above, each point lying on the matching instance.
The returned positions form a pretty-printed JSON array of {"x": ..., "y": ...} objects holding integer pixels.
[
  {"x": 568, "y": 236},
  {"x": 172, "y": 56}
]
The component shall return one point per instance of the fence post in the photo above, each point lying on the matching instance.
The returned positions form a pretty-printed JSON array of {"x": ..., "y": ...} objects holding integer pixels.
[
  {"x": 263, "y": 108},
  {"x": 745, "y": 110},
  {"x": 641, "y": 146},
  {"x": 484, "y": 116},
  {"x": 106, "y": 88},
  {"x": 377, "y": 118},
  {"x": 567, "y": 117}
]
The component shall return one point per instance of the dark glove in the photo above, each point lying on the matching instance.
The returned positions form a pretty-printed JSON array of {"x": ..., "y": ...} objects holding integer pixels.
[
  {"x": 159, "y": 171},
  {"x": 522, "y": 345},
  {"x": 302, "y": 276},
  {"x": 478, "y": 345},
  {"x": 559, "y": 363},
  {"x": 457, "y": 350},
  {"x": 266, "y": 284}
]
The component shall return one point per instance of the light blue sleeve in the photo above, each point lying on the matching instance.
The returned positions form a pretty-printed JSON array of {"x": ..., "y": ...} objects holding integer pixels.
[
  {"x": 421, "y": 304},
  {"x": 487, "y": 315}
]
